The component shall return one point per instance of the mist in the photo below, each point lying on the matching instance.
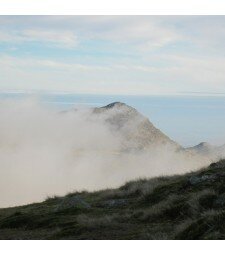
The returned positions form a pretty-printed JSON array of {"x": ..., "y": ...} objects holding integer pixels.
[{"x": 45, "y": 152}]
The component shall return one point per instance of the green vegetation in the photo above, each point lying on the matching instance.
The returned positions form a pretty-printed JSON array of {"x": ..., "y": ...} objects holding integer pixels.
[{"x": 190, "y": 206}]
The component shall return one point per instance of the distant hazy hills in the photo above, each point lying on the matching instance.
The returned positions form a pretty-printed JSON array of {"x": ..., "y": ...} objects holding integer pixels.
[{"x": 208, "y": 150}]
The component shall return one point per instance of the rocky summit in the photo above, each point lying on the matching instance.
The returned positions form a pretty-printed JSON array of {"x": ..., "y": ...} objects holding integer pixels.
[{"x": 137, "y": 131}]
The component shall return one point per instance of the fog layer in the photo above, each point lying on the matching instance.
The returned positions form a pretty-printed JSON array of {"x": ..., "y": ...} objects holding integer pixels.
[{"x": 44, "y": 152}]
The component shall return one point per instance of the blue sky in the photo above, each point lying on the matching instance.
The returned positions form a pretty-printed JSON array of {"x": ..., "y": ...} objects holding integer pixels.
[{"x": 113, "y": 54}]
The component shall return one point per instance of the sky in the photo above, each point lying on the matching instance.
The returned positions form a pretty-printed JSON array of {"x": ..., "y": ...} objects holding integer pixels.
[{"x": 130, "y": 55}]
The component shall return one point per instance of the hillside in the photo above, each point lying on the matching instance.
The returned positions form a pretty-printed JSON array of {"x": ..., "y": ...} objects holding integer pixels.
[{"x": 190, "y": 206}]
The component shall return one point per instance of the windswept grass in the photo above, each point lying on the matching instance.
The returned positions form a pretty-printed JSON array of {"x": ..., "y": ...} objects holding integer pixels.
[{"x": 190, "y": 206}]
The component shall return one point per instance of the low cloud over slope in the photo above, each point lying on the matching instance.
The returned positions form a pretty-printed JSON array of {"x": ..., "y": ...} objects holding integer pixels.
[{"x": 45, "y": 152}]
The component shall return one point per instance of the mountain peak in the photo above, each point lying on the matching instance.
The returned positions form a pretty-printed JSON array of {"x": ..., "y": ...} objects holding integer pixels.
[
  {"x": 135, "y": 128},
  {"x": 119, "y": 106},
  {"x": 114, "y": 104}
]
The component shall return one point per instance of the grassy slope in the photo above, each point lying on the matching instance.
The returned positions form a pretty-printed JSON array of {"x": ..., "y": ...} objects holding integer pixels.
[{"x": 190, "y": 206}]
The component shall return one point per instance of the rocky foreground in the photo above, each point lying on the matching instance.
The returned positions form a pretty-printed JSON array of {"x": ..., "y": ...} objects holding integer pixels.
[{"x": 190, "y": 206}]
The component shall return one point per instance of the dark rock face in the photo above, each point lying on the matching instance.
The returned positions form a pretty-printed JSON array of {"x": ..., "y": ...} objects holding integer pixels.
[
  {"x": 109, "y": 106},
  {"x": 199, "y": 179},
  {"x": 194, "y": 180}
]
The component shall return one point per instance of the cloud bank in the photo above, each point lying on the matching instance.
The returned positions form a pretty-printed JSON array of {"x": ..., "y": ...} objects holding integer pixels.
[{"x": 44, "y": 152}]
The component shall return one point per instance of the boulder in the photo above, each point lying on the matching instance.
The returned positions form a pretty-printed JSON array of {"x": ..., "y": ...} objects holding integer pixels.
[{"x": 199, "y": 179}]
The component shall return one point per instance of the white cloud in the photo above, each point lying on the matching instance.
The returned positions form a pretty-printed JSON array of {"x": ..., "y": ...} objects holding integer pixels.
[
  {"x": 65, "y": 39},
  {"x": 153, "y": 54},
  {"x": 176, "y": 75},
  {"x": 30, "y": 63},
  {"x": 143, "y": 32}
]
